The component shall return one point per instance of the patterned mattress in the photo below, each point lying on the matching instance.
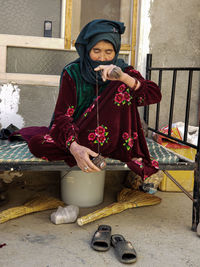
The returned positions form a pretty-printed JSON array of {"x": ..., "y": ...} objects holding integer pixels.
[{"x": 19, "y": 152}]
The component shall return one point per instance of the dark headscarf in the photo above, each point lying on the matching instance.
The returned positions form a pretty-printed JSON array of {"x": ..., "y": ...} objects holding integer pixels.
[{"x": 91, "y": 34}]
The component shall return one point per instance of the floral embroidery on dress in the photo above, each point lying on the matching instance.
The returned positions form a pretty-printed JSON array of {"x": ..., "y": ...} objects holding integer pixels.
[
  {"x": 91, "y": 107},
  {"x": 154, "y": 163},
  {"x": 100, "y": 135},
  {"x": 70, "y": 111},
  {"x": 88, "y": 110},
  {"x": 121, "y": 88},
  {"x": 70, "y": 140},
  {"x": 123, "y": 96},
  {"x": 140, "y": 100},
  {"x": 138, "y": 163},
  {"x": 129, "y": 140},
  {"x": 45, "y": 158},
  {"x": 48, "y": 139}
]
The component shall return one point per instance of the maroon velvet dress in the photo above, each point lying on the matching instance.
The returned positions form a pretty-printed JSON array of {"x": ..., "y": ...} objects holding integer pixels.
[{"x": 119, "y": 135}]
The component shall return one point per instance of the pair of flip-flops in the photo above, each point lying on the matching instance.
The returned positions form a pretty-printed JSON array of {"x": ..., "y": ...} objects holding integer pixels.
[{"x": 102, "y": 240}]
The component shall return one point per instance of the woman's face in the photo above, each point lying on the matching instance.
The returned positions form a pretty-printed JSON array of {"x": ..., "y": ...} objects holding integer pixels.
[{"x": 102, "y": 51}]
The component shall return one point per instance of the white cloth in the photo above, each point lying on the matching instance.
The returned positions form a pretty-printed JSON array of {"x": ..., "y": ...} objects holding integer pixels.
[{"x": 8, "y": 176}]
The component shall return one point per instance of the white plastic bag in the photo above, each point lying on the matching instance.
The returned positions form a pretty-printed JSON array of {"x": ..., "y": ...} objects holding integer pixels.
[
  {"x": 67, "y": 214},
  {"x": 192, "y": 136}
]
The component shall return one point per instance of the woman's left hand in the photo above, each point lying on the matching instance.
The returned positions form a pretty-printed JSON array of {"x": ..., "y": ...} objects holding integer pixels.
[{"x": 110, "y": 72}]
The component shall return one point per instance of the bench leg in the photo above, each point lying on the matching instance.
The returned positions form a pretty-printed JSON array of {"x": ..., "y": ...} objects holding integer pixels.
[{"x": 196, "y": 194}]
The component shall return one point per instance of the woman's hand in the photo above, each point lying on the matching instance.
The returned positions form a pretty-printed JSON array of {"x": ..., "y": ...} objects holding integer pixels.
[
  {"x": 82, "y": 156},
  {"x": 110, "y": 72},
  {"x": 114, "y": 73}
]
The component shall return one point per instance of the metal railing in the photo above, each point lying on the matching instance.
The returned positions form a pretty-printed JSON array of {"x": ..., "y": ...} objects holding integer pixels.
[{"x": 174, "y": 70}]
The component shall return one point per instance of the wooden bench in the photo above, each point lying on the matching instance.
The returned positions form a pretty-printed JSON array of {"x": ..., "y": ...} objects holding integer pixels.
[{"x": 15, "y": 156}]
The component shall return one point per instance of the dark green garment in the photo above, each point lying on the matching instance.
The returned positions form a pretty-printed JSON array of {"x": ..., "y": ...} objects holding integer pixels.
[{"x": 86, "y": 92}]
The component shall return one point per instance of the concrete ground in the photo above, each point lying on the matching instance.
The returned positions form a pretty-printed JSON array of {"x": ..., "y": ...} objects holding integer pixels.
[{"x": 161, "y": 234}]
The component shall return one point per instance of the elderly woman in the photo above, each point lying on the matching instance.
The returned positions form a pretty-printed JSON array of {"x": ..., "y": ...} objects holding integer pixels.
[{"x": 87, "y": 122}]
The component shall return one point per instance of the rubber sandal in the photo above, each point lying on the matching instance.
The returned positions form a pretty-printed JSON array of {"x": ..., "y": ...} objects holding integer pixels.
[
  {"x": 124, "y": 250},
  {"x": 101, "y": 238}
]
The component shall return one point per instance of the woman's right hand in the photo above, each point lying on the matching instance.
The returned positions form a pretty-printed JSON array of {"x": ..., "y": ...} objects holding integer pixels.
[
  {"x": 114, "y": 73},
  {"x": 82, "y": 156}
]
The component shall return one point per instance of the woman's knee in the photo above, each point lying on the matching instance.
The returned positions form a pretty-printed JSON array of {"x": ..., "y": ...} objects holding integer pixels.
[{"x": 35, "y": 145}]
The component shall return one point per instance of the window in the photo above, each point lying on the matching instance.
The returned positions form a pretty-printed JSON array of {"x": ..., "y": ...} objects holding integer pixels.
[{"x": 80, "y": 12}]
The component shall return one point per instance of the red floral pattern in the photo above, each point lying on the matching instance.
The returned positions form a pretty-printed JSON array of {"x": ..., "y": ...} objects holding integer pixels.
[
  {"x": 121, "y": 88},
  {"x": 44, "y": 158},
  {"x": 154, "y": 163},
  {"x": 100, "y": 135},
  {"x": 48, "y": 139},
  {"x": 88, "y": 110},
  {"x": 99, "y": 131},
  {"x": 125, "y": 135},
  {"x": 70, "y": 111},
  {"x": 129, "y": 140},
  {"x": 140, "y": 100},
  {"x": 91, "y": 136},
  {"x": 135, "y": 135},
  {"x": 101, "y": 139},
  {"x": 122, "y": 96},
  {"x": 91, "y": 107},
  {"x": 138, "y": 163}
]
